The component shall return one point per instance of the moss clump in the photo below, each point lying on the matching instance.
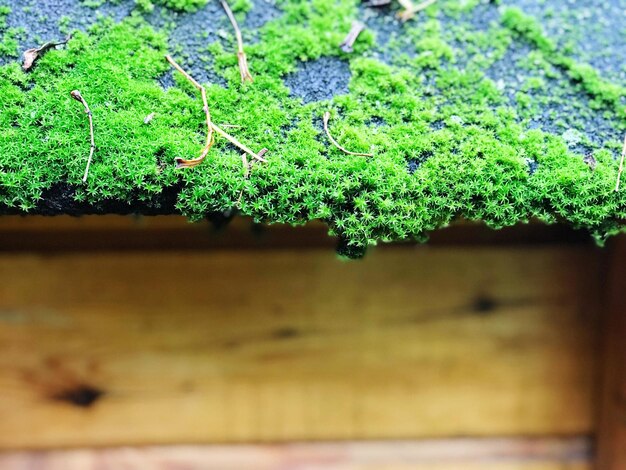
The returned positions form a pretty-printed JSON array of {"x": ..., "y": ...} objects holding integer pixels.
[
  {"x": 4, "y": 13},
  {"x": 177, "y": 5},
  {"x": 9, "y": 37},
  {"x": 148, "y": 5},
  {"x": 180, "y": 5},
  {"x": 447, "y": 142},
  {"x": 603, "y": 91},
  {"x": 115, "y": 68}
]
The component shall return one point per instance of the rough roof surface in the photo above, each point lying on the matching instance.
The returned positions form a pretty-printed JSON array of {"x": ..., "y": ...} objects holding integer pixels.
[{"x": 498, "y": 111}]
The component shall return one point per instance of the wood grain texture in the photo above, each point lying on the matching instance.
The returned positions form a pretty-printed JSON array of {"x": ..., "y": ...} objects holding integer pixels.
[
  {"x": 450, "y": 454},
  {"x": 228, "y": 346},
  {"x": 612, "y": 432}
]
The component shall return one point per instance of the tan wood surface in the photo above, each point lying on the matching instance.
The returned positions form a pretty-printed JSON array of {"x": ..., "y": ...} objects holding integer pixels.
[
  {"x": 612, "y": 432},
  {"x": 231, "y": 346},
  {"x": 449, "y": 454}
]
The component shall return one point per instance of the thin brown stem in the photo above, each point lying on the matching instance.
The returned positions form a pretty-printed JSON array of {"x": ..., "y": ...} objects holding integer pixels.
[
  {"x": 410, "y": 9},
  {"x": 78, "y": 97},
  {"x": 148, "y": 119},
  {"x": 190, "y": 163},
  {"x": 348, "y": 43},
  {"x": 248, "y": 169},
  {"x": 235, "y": 142},
  {"x": 377, "y": 3},
  {"x": 336, "y": 144},
  {"x": 241, "y": 55},
  {"x": 621, "y": 165},
  {"x": 211, "y": 126},
  {"x": 246, "y": 166}
]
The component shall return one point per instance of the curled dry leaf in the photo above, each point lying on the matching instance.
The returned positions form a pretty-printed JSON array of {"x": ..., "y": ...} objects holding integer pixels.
[{"x": 31, "y": 55}]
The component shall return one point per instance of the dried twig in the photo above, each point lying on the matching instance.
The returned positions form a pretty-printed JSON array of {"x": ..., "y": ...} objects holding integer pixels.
[
  {"x": 410, "y": 9},
  {"x": 348, "y": 43},
  {"x": 190, "y": 163},
  {"x": 377, "y": 3},
  {"x": 621, "y": 165},
  {"x": 148, "y": 119},
  {"x": 31, "y": 55},
  {"x": 336, "y": 144},
  {"x": 248, "y": 166},
  {"x": 211, "y": 126},
  {"x": 78, "y": 97},
  {"x": 235, "y": 142},
  {"x": 241, "y": 55},
  {"x": 248, "y": 169}
]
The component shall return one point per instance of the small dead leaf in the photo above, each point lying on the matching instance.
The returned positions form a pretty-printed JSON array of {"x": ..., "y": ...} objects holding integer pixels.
[
  {"x": 31, "y": 55},
  {"x": 590, "y": 160}
]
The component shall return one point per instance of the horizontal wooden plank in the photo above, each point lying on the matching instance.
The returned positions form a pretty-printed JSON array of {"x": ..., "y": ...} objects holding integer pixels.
[
  {"x": 115, "y": 232},
  {"x": 231, "y": 346},
  {"x": 455, "y": 454}
]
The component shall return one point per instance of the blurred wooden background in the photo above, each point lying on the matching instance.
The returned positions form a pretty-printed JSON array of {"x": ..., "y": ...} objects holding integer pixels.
[{"x": 479, "y": 350}]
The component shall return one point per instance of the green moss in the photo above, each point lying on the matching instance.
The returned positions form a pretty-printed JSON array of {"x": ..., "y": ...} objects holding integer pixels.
[
  {"x": 144, "y": 5},
  {"x": 148, "y": 5},
  {"x": 183, "y": 5},
  {"x": 431, "y": 48},
  {"x": 8, "y": 36},
  {"x": 4, "y": 13},
  {"x": 446, "y": 141},
  {"x": 9, "y": 43},
  {"x": 603, "y": 91},
  {"x": 93, "y": 3},
  {"x": 64, "y": 24}
]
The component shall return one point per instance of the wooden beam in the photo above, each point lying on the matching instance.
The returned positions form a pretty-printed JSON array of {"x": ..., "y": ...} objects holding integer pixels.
[
  {"x": 114, "y": 232},
  {"x": 447, "y": 454},
  {"x": 612, "y": 432},
  {"x": 278, "y": 345}
]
